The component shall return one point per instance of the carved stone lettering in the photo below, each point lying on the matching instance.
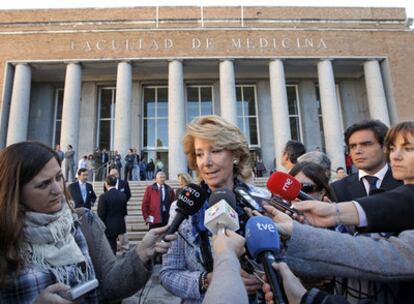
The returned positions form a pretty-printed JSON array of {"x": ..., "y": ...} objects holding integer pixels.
[
  {"x": 236, "y": 43},
  {"x": 196, "y": 43},
  {"x": 263, "y": 43},
  {"x": 135, "y": 44}
]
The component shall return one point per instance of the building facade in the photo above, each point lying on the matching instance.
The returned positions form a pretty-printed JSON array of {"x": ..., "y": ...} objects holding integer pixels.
[{"x": 133, "y": 77}]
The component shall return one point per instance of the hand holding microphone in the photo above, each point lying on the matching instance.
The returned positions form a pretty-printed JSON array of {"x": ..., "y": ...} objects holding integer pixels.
[
  {"x": 263, "y": 244},
  {"x": 284, "y": 222},
  {"x": 288, "y": 188},
  {"x": 316, "y": 213},
  {"x": 155, "y": 241},
  {"x": 229, "y": 241},
  {"x": 222, "y": 219},
  {"x": 321, "y": 214},
  {"x": 291, "y": 284}
]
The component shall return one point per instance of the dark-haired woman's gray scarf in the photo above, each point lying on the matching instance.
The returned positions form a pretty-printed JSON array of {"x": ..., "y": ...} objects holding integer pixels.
[{"x": 49, "y": 244}]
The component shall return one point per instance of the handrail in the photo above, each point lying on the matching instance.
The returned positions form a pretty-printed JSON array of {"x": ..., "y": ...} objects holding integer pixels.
[{"x": 96, "y": 170}]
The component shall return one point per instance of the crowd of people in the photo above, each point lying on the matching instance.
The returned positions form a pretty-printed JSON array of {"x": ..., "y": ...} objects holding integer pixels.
[
  {"x": 351, "y": 241},
  {"x": 99, "y": 163},
  {"x": 351, "y": 272}
]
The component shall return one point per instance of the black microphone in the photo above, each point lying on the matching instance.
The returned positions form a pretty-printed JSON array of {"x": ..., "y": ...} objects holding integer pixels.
[
  {"x": 263, "y": 244},
  {"x": 248, "y": 200},
  {"x": 190, "y": 200},
  {"x": 303, "y": 196},
  {"x": 222, "y": 194}
]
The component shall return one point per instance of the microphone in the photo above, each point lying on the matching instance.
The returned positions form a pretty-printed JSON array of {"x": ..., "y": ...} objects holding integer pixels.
[
  {"x": 287, "y": 187},
  {"x": 252, "y": 199},
  {"x": 248, "y": 200},
  {"x": 190, "y": 200},
  {"x": 263, "y": 244},
  {"x": 221, "y": 214}
]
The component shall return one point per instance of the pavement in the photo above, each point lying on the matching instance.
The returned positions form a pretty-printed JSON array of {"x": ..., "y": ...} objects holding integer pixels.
[{"x": 153, "y": 292}]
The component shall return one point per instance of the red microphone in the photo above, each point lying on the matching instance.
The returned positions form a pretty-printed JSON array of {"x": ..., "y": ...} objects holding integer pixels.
[{"x": 286, "y": 186}]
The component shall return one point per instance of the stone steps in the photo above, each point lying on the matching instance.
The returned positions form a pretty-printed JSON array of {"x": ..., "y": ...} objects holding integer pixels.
[{"x": 136, "y": 226}]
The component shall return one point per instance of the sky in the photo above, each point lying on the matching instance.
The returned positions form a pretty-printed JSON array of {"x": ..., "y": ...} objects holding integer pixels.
[{"x": 21, "y": 4}]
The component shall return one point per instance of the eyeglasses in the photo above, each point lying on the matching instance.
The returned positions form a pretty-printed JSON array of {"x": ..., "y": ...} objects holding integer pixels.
[{"x": 310, "y": 188}]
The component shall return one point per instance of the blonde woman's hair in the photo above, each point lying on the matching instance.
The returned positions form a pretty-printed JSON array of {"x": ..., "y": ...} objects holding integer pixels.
[
  {"x": 186, "y": 177},
  {"x": 221, "y": 134}
]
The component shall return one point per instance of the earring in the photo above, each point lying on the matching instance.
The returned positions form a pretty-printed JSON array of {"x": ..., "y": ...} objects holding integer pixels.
[{"x": 235, "y": 161}]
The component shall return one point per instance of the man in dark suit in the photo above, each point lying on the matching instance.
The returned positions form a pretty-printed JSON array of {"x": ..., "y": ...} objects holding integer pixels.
[
  {"x": 112, "y": 209},
  {"x": 392, "y": 211},
  {"x": 365, "y": 141},
  {"x": 123, "y": 186},
  {"x": 81, "y": 191}
]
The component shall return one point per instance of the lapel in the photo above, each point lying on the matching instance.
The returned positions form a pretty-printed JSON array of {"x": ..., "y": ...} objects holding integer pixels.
[
  {"x": 120, "y": 184},
  {"x": 77, "y": 191},
  {"x": 389, "y": 182},
  {"x": 87, "y": 190},
  {"x": 355, "y": 187}
]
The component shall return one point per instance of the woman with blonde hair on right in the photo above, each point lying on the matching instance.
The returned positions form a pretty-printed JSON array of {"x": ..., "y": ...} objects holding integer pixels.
[{"x": 329, "y": 253}]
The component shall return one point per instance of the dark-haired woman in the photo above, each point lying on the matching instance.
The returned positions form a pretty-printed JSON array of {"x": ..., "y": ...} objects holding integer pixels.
[
  {"x": 46, "y": 247},
  {"x": 313, "y": 179}
]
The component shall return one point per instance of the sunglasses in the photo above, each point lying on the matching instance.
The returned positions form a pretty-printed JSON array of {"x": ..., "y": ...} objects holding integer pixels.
[{"x": 310, "y": 188}]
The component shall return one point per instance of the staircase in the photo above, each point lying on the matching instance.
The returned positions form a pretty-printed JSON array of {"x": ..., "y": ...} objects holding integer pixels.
[{"x": 136, "y": 227}]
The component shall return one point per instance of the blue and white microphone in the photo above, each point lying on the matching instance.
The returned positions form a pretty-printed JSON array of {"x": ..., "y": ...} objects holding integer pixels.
[{"x": 263, "y": 244}]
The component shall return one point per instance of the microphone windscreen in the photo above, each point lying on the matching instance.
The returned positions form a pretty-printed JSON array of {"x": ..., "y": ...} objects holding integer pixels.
[
  {"x": 190, "y": 200},
  {"x": 261, "y": 235},
  {"x": 284, "y": 185},
  {"x": 223, "y": 194}
]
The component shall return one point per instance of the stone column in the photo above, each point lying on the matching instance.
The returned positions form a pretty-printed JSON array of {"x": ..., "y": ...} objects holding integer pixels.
[
  {"x": 280, "y": 109},
  {"x": 389, "y": 91},
  {"x": 228, "y": 102},
  {"x": 123, "y": 108},
  {"x": 71, "y": 109},
  {"x": 377, "y": 102},
  {"x": 5, "y": 104},
  {"x": 330, "y": 114},
  {"x": 20, "y": 104},
  {"x": 176, "y": 119},
  {"x": 310, "y": 117}
]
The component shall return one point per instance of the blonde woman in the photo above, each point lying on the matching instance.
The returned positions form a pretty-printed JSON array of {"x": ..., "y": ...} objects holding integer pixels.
[{"x": 219, "y": 154}]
